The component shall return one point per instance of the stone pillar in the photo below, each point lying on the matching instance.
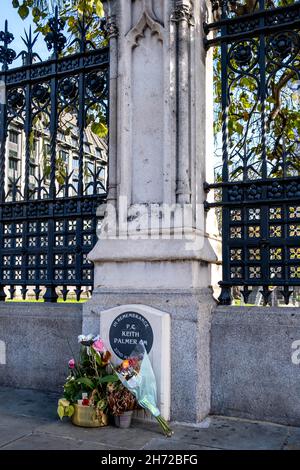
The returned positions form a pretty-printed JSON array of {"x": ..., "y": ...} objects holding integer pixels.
[
  {"x": 154, "y": 248},
  {"x": 113, "y": 100}
]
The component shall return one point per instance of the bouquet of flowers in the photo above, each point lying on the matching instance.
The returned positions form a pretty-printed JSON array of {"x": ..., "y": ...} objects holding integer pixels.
[
  {"x": 136, "y": 374},
  {"x": 86, "y": 384}
]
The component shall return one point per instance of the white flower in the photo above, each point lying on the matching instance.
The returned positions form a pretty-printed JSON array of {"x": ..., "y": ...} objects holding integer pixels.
[{"x": 85, "y": 338}]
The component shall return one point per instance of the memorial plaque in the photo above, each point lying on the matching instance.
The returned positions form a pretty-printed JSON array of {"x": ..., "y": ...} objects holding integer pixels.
[
  {"x": 124, "y": 326},
  {"x": 127, "y": 330}
]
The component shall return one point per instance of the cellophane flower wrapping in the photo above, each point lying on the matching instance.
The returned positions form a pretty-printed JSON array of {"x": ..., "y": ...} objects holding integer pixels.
[{"x": 137, "y": 375}]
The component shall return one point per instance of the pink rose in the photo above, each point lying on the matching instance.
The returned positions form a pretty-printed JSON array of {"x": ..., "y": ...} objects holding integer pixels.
[
  {"x": 98, "y": 345},
  {"x": 71, "y": 363}
]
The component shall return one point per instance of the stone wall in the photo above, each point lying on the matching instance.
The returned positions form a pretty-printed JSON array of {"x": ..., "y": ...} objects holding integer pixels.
[
  {"x": 253, "y": 374},
  {"x": 252, "y": 371},
  {"x": 34, "y": 339}
]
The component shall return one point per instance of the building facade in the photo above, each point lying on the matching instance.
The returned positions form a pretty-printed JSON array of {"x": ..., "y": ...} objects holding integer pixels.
[{"x": 67, "y": 158}]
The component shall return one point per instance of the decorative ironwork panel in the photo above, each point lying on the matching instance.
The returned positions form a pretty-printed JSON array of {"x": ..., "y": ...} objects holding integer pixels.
[
  {"x": 257, "y": 59},
  {"x": 53, "y": 163}
]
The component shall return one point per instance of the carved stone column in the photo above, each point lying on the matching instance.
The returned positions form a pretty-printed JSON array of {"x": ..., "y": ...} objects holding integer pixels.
[
  {"x": 113, "y": 105},
  {"x": 159, "y": 252},
  {"x": 182, "y": 16}
]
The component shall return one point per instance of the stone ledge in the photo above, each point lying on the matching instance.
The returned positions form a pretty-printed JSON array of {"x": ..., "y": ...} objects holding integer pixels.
[
  {"x": 258, "y": 310},
  {"x": 57, "y": 311},
  {"x": 288, "y": 316},
  {"x": 118, "y": 250}
]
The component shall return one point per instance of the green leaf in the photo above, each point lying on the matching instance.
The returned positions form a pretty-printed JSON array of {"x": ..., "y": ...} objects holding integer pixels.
[
  {"x": 23, "y": 11},
  {"x": 36, "y": 12},
  {"x": 61, "y": 411},
  {"x": 108, "y": 379},
  {"x": 99, "y": 9},
  {"x": 239, "y": 128},
  {"x": 15, "y": 3},
  {"x": 85, "y": 381},
  {"x": 99, "y": 129},
  {"x": 70, "y": 411}
]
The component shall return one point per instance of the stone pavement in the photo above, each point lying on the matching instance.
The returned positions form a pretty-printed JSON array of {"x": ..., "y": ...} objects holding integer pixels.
[{"x": 28, "y": 422}]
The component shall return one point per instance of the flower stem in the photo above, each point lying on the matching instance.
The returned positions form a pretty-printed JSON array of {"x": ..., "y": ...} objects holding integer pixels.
[{"x": 164, "y": 425}]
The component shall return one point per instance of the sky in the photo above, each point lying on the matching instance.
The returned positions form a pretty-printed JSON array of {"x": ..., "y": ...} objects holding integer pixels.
[{"x": 16, "y": 26}]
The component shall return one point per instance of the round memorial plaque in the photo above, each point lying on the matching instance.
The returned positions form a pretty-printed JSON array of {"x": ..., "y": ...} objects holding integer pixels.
[{"x": 127, "y": 330}]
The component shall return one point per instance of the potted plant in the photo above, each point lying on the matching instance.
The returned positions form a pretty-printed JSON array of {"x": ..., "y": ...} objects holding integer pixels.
[
  {"x": 121, "y": 403},
  {"x": 85, "y": 390}
]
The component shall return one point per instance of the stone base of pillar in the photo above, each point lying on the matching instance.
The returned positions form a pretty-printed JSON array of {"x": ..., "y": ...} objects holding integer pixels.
[{"x": 190, "y": 311}]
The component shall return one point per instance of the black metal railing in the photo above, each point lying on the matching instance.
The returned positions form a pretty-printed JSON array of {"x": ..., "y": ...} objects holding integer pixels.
[
  {"x": 53, "y": 162},
  {"x": 257, "y": 89}
]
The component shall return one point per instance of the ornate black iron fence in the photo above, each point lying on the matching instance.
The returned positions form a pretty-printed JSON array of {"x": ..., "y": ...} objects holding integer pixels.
[
  {"x": 53, "y": 160},
  {"x": 257, "y": 83}
]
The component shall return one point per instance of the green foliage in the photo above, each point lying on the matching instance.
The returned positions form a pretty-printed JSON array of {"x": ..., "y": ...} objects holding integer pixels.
[
  {"x": 60, "y": 411},
  {"x": 108, "y": 379},
  {"x": 99, "y": 128},
  {"x": 64, "y": 408},
  {"x": 91, "y": 374},
  {"x": 69, "y": 411},
  {"x": 85, "y": 381},
  {"x": 244, "y": 116},
  {"x": 69, "y": 11},
  {"x": 23, "y": 11},
  {"x": 73, "y": 390}
]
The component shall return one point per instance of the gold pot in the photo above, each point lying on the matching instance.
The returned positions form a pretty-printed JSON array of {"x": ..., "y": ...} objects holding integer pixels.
[{"x": 86, "y": 417}]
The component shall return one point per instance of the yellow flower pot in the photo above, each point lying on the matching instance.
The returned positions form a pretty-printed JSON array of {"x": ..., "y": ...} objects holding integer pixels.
[{"x": 85, "y": 416}]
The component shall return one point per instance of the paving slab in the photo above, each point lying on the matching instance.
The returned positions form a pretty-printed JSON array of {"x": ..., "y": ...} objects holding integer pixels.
[
  {"x": 30, "y": 403},
  {"x": 236, "y": 434},
  {"x": 133, "y": 438},
  {"x": 173, "y": 444},
  {"x": 39, "y": 441},
  {"x": 15, "y": 427},
  {"x": 8, "y": 435},
  {"x": 293, "y": 439},
  {"x": 28, "y": 421}
]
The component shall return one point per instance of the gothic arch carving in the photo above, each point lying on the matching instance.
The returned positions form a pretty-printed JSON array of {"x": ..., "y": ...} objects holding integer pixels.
[{"x": 147, "y": 20}]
